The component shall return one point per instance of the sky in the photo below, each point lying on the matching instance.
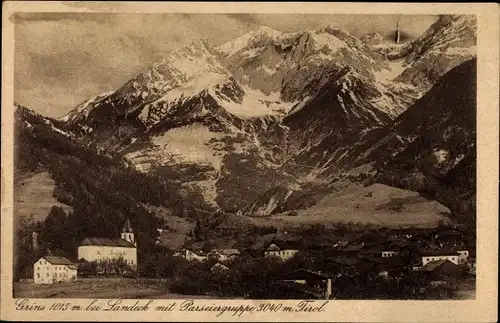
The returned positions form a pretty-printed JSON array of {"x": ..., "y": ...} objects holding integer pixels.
[{"x": 62, "y": 59}]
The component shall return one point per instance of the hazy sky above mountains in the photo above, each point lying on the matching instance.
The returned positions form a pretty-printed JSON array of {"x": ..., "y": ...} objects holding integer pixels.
[{"x": 62, "y": 59}]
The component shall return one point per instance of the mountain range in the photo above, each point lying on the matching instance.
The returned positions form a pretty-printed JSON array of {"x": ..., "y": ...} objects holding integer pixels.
[{"x": 270, "y": 117}]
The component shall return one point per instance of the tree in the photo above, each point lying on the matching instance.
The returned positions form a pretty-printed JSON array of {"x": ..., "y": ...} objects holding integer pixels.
[{"x": 54, "y": 232}]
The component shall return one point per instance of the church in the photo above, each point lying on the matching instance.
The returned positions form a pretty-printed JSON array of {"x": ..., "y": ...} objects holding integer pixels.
[{"x": 106, "y": 249}]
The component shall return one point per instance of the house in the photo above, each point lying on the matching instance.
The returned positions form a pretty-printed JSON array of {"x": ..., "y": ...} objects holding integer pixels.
[
  {"x": 389, "y": 253},
  {"x": 53, "y": 269},
  {"x": 282, "y": 250},
  {"x": 471, "y": 261},
  {"x": 217, "y": 256},
  {"x": 299, "y": 284},
  {"x": 463, "y": 255},
  {"x": 439, "y": 270},
  {"x": 223, "y": 254},
  {"x": 314, "y": 280},
  {"x": 228, "y": 252},
  {"x": 85, "y": 268},
  {"x": 219, "y": 268},
  {"x": 471, "y": 264},
  {"x": 189, "y": 255},
  {"x": 103, "y": 250},
  {"x": 452, "y": 256}
]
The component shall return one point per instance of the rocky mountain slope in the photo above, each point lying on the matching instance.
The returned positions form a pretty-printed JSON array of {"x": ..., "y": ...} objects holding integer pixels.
[
  {"x": 265, "y": 112},
  {"x": 432, "y": 146}
]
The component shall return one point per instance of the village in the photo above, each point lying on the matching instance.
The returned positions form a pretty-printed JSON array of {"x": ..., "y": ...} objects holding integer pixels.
[{"x": 310, "y": 268}]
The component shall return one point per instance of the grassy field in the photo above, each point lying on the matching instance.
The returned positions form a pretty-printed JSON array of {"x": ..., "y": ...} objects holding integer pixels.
[
  {"x": 33, "y": 195},
  {"x": 465, "y": 290},
  {"x": 100, "y": 288},
  {"x": 377, "y": 205}
]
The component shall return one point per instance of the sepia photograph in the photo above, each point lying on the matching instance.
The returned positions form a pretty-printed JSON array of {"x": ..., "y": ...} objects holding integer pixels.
[
  {"x": 280, "y": 161},
  {"x": 285, "y": 157}
]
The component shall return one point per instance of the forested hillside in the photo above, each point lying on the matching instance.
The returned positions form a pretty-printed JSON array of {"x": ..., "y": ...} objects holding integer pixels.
[{"x": 100, "y": 189}]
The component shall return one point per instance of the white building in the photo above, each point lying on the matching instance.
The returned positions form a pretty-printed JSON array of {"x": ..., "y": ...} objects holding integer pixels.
[
  {"x": 105, "y": 249},
  {"x": 386, "y": 254},
  {"x": 52, "y": 269},
  {"x": 189, "y": 255},
  {"x": 452, "y": 256},
  {"x": 281, "y": 250},
  {"x": 463, "y": 256}
]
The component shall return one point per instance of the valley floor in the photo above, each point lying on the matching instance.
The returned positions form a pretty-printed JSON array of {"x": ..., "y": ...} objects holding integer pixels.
[
  {"x": 101, "y": 288},
  {"x": 128, "y": 288}
]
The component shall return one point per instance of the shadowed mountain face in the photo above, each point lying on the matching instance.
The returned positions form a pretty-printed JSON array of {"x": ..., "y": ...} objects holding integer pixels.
[
  {"x": 271, "y": 115},
  {"x": 433, "y": 143}
]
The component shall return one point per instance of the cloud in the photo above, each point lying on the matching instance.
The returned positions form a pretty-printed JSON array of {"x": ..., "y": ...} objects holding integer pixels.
[
  {"x": 244, "y": 18},
  {"x": 26, "y": 17}
]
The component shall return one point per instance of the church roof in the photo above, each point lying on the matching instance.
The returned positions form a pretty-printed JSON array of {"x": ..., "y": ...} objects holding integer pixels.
[{"x": 107, "y": 242}]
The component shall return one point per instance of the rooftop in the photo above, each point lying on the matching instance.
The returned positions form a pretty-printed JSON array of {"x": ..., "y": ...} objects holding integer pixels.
[
  {"x": 106, "y": 242},
  {"x": 433, "y": 265},
  {"x": 439, "y": 253},
  {"x": 285, "y": 245},
  {"x": 55, "y": 260}
]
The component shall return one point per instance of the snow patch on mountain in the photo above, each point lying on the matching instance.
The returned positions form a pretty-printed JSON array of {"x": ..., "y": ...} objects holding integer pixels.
[
  {"x": 327, "y": 43},
  {"x": 252, "y": 38},
  {"x": 394, "y": 68},
  {"x": 255, "y": 104},
  {"x": 189, "y": 62},
  {"x": 84, "y": 108},
  {"x": 189, "y": 144}
]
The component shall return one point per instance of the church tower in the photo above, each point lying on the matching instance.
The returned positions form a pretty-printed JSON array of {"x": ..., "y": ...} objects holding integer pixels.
[{"x": 127, "y": 233}]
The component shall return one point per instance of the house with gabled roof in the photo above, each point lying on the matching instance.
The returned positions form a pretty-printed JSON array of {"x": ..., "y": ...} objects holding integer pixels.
[
  {"x": 284, "y": 250},
  {"x": 439, "y": 270},
  {"x": 428, "y": 256},
  {"x": 54, "y": 269}
]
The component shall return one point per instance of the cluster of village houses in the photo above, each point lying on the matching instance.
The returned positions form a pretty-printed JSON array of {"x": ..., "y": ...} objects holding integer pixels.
[
  {"x": 285, "y": 251},
  {"x": 435, "y": 264}
]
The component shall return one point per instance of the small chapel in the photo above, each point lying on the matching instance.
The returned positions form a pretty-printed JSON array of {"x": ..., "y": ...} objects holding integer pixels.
[{"x": 106, "y": 249}]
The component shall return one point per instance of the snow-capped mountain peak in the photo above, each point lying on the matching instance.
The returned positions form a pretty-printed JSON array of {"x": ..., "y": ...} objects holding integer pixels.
[
  {"x": 254, "y": 38},
  {"x": 83, "y": 109},
  {"x": 267, "y": 99}
]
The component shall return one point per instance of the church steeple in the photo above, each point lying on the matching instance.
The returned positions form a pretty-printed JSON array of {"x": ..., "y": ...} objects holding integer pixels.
[{"x": 128, "y": 233}]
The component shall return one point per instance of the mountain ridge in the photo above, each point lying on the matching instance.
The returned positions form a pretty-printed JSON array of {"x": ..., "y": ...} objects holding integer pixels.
[{"x": 292, "y": 105}]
